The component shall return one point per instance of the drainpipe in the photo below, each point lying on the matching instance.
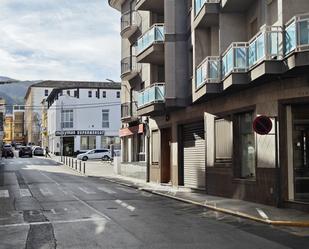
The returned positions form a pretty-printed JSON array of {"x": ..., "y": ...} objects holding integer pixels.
[{"x": 147, "y": 133}]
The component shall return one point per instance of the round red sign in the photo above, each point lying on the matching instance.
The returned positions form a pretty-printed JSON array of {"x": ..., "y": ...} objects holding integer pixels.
[{"x": 262, "y": 125}]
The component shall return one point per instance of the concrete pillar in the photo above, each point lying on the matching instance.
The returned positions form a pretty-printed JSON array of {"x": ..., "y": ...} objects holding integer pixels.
[{"x": 130, "y": 149}]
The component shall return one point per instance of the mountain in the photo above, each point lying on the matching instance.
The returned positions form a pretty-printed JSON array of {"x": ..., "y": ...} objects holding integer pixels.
[
  {"x": 14, "y": 92},
  {"x": 6, "y": 79}
]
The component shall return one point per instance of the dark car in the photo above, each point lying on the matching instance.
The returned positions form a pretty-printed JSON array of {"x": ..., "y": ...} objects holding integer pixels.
[
  {"x": 25, "y": 151},
  {"x": 37, "y": 151},
  {"x": 7, "y": 152}
]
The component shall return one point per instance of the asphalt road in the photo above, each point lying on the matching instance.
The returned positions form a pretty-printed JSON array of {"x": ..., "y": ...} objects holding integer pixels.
[{"x": 44, "y": 205}]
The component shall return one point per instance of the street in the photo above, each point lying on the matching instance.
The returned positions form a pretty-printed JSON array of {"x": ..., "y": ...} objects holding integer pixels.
[{"x": 46, "y": 205}]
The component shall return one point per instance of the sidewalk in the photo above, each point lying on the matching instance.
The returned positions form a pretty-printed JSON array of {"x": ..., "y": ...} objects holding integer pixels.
[{"x": 249, "y": 210}]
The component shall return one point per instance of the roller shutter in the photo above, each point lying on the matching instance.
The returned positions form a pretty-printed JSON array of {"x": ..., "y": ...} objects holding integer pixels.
[{"x": 194, "y": 155}]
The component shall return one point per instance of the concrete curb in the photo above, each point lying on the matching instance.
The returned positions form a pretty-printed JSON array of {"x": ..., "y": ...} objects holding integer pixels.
[{"x": 222, "y": 210}]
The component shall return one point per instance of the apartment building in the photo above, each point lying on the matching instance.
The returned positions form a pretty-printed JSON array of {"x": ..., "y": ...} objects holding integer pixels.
[
  {"x": 18, "y": 124},
  {"x": 33, "y": 115},
  {"x": 8, "y": 129},
  {"x": 83, "y": 116},
  {"x": 202, "y": 71},
  {"x": 2, "y": 114}
]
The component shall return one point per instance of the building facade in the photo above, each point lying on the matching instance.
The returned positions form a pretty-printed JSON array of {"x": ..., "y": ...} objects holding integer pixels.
[
  {"x": 90, "y": 116},
  {"x": 208, "y": 69},
  {"x": 18, "y": 124},
  {"x": 8, "y": 129},
  {"x": 2, "y": 115},
  {"x": 33, "y": 113}
]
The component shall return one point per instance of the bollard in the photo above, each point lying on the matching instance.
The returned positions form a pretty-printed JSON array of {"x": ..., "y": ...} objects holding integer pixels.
[
  {"x": 69, "y": 162},
  {"x": 80, "y": 166},
  {"x": 75, "y": 164},
  {"x": 72, "y": 163},
  {"x": 84, "y": 168}
]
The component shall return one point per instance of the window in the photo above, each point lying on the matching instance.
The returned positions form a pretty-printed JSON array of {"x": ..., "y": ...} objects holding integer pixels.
[
  {"x": 75, "y": 94},
  {"x": 223, "y": 140},
  {"x": 46, "y": 92},
  {"x": 107, "y": 141},
  {"x": 67, "y": 119},
  {"x": 97, "y": 94},
  {"x": 246, "y": 145},
  {"x": 90, "y": 94},
  {"x": 87, "y": 142},
  {"x": 118, "y": 95},
  {"x": 105, "y": 118},
  {"x": 141, "y": 147},
  {"x": 155, "y": 147},
  {"x": 68, "y": 92},
  {"x": 104, "y": 94}
]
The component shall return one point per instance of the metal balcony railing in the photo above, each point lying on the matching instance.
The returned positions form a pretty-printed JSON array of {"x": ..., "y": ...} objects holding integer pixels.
[
  {"x": 129, "y": 64},
  {"x": 152, "y": 94},
  {"x": 153, "y": 35},
  {"x": 266, "y": 45},
  {"x": 235, "y": 59},
  {"x": 297, "y": 34},
  {"x": 129, "y": 109},
  {"x": 129, "y": 19},
  {"x": 200, "y": 3},
  {"x": 209, "y": 71}
]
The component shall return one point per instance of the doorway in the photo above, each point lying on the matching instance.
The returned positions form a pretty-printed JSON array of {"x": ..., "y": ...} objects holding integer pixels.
[
  {"x": 166, "y": 138},
  {"x": 68, "y": 146},
  {"x": 301, "y": 153}
]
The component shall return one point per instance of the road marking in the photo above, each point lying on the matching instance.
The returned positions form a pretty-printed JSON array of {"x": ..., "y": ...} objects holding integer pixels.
[
  {"x": 52, "y": 222},
  {"x": 106, "y": 190},
  {"x": 85, "y": 190},
  {"x": 45, "y": 191},
  {"x": 125, "y": 205},
  {"x": 4, "y": 194},
  {"x": 130, "y": 191},
  {"x": 76, "y": 198},
  {"x": 24, "y": 192},
  {"x": 262, "y": 214}
]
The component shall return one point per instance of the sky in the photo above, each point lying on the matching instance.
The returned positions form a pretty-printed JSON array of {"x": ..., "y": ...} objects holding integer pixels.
[{"x": 59, "y": 40}]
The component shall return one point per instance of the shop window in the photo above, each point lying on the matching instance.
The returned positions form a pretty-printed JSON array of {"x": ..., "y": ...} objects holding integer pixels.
[
  {"x": 68, "y": 92},
  {"x": 141, "y": 147},
  {"x": 246, "y": 146},
  {"x": 89, "y": 94},
  {"x": 118, "y": 95},
  {"x": 75, "y": 94},
  {"x": 87, "y": 142},
  {"x": 155, "y": 145},
  {"x": 67, "y": 119},
  {"x": 105, "y": 118},
  {"x": 223, "y": 140}
]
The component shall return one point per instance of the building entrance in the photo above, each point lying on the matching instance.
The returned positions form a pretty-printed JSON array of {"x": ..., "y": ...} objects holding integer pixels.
[{"x": 68, "y": 146}]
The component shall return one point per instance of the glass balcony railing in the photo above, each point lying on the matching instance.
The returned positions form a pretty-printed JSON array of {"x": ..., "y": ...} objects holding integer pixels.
[
  {"x": 152, "y": 94},
  {"x": 235, "y": 58},
  {"x": 129, "y": 64},
  {"x": 154, "y": 35},
  {"x": 208, "y": 71},
  {"x": 200, "y": 3},
  {"x": 131, "y": 18},
  {"x": 266, "y": 45},
  {"x": 297, "y": 34}
]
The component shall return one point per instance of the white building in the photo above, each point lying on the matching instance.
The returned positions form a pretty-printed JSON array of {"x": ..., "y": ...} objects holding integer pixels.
[{"x": 90, "y": 116}]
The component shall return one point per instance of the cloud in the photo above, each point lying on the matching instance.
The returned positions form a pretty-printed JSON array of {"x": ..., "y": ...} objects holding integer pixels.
[{"x": 59, "y": 39}]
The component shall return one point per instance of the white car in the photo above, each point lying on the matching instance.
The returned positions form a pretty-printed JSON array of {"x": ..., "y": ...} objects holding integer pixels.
[{"x": 103, "y": 154}]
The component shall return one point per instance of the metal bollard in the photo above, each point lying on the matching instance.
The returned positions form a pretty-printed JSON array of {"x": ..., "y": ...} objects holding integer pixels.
[
  {"x": 72, "y": 163},
  {"x": 75, "y": 164},
  {"x": 84, "y": 168},
  {"x": 80, "y": 166},
  {"x": 69, "y": 162}
]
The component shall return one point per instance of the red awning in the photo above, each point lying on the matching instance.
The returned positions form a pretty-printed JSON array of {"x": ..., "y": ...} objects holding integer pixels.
[{"x": 131, "y": 130}]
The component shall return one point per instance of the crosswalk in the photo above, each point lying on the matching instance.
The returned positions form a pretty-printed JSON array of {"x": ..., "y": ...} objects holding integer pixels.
[{"x": 48, "y": 192}]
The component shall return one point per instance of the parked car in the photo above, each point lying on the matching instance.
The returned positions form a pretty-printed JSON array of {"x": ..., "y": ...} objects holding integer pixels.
[
  {"x": 37, "y": 151},
  {"x": 103, "y": 154},
  {"x": 25, "y": 151},
  {"x": 7, "y": 151}
]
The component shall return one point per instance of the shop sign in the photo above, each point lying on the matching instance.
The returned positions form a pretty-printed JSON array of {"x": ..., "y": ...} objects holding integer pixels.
[{"x": 80, "y": 133}]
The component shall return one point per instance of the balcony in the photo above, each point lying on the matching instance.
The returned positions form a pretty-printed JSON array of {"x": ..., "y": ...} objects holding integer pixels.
[
  {"x": 151, "y": 100},
  {"x": 265, "y": 52},
  {"x": 130, "y": 24},
  {"x": 116, "y": 4},
  {"x": 129, "y": 111},
  {"x": 236, "y": 5},
  {"x": 297, "y": 40},
  {"x": 150, "y": 46},
  {"x": 208, "y": 75},
  {"x": 156, "y": 6},
  {"x": 129, "y": 68},
  {"x": 206, "y": 13}
]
